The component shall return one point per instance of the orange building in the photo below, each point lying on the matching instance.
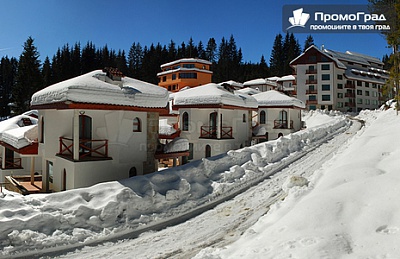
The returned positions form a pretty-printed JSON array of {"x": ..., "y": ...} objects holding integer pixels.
[{"x": 184, "y": 72}]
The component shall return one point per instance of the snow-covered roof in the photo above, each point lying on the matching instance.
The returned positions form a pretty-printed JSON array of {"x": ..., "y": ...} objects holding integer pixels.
[
  {"x": 16, "y": 122},
  {"x": 248, "y": 90},
  {"x": 186, "y": 60},
  {"x": 177, "y": 145},
  {"x": 21, "y": 137},
  {"x": 95, "y": 88},
  {"x": 183, "y": 69},
  {"x": 274, "y": 98},
  {"x": 164, "y": 128},
  {"x": 213, "y": 94},
  {"x": 339, "y": 64},
  {"x": 286, "y": 78},
  {"x": 232, "y": 83}
]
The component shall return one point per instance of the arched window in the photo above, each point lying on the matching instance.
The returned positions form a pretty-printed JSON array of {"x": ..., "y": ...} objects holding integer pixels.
[
  {"x": 185, "y": 121},
  {"x": 244, "y": 117},
  {"x": 208, "y": 150},
  {"x": 132, "y": 172},
  {"x": 136, "y": 125},
  {"x": 41, "y": 129},
  {"x": 262, "y": 117},
  {"x": 280, "y": 134}
]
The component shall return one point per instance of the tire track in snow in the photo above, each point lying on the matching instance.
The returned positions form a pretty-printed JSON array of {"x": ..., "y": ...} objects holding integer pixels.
[{"x": 224, "y": 223}]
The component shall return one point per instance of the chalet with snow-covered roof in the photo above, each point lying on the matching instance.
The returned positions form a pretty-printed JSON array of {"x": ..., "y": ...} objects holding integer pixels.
[
  {"x": 97, "y": 127},
  {"x": 184, "y": 72},
  {"x": 18, "y": 146},
  {"x": 278, "y": 115},
  {"x": 333, "y": 80},
  {"x": 261, "y": 84},
  {"x": 214, "y": 119}
]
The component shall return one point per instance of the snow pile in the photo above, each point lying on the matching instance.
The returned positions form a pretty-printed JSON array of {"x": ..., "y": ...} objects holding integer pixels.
[
  {"x": 21, "y": 137},
  {"x": 349, "y": 208},
  {"x": 274, "y": 98},
  {"x": 111, "y": 209}
]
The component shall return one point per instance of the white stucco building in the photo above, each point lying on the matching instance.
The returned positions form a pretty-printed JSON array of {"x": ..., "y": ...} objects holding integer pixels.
[
  {"x": 278, "y": 115},
  {"x": 214, "y": 119},
  {"x": 97, "y": 127}
]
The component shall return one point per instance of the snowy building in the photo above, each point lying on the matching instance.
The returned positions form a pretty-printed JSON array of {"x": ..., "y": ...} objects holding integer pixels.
[
  {"x": 97, "y": 127},
  {"x": 278, "y": 115},
  {"x": 261, "y": 84},
  {"x": 184, "y": 72},
  {"x": 19, "y": 147},
  {"x": 214, "y": 119},
  {"x": 344, "y": 81}
]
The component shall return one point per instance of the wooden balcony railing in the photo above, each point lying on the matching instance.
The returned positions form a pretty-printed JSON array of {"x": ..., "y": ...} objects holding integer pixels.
[
  {"x": 309, "y": 82},
  {"x": 350, "y": 104},
  {"x": 88, "y": 148},
  {"x": 308, "y": 102},
  {"x": 283, "y": 124},
  {"x": 211, "y": 132},
  {"x": 13, "y": 163},
  {"x": 351, "y": 95},
  {"x": 351, "y": 86},
  {"x": 312, "y": 91}
]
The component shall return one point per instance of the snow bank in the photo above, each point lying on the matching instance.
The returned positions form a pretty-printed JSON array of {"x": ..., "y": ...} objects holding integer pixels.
[
  {"x": 109, "y": 209},
  {"x": 348, "y": 210}
]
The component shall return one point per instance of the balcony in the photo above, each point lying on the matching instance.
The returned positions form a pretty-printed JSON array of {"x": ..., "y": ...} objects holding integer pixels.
[
  {"x": 210, "y": 132},
  {"x": 282, "y": 124},
  {"x": 308, "y": 102},
  {"x": 349, "y": 85},
  {"x": 311, "y": 71},
  {"x": 89, "y": 149},
  {"x": 311, "y": 82},
  {"x": 350, "y": 104},
  {"x": 350, "y": 95},
  {"x": 312, "y": 91},
  {"x": 12, "y": 163}
]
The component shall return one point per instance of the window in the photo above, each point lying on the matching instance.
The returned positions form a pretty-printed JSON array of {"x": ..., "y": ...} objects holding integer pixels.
[
  {"x": 340, "y": 95},
  {"x": 366, "y": 84},
  {"x": 136, "y": 125},
  {"x": 312, "y": 98},
  {"x": 359, "y": 92},
  {"x": 185, "y": 121},
  {"x": 164, "y": 78},
  {"x": 244, "y": 117},
  {"x": 173, "y": 76},
  {"x": 311, "y": 68},
  {"x": 326, "y": 97},
  {"x": 359, "y": 83},
  {"x": 373, "y": 85},
  {"x": 340, "y": 105},
  {"x": 339, "y": 77},
  {"x": 367, "y": 101},
  {"x": 326, "y": 77},
  {"x": 326, "y": 87},
  {"x": 340, "y": 86},
  {"x": 50, "y": 172},
  {"x": 359, "y": 101},
  {"x": 188, "y": 75},
  {"x": 262, "y": 117},
  {"x": 42, "y": 130},
  {"x": 325, "y": 67},
  {"x": 208, "y": 151},
  {"x": 366, "y": 93},
  {"x": 188, "y": 65}
]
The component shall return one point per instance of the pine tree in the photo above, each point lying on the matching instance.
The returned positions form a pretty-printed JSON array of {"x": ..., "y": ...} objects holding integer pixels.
[
  {"x": 29, "y": 78},
  {"x": 8, "y": 73},
  {"x": 308, "y": 43},
  {"x": 47, "y": 73},
  {"x": 276, "y": 61},
  {"x": 211, "y": 50},
  {"x": 200, "y": 50}
]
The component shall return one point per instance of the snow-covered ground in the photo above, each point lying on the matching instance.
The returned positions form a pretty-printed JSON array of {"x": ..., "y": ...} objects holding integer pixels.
[{"x": 337, "y": 194}]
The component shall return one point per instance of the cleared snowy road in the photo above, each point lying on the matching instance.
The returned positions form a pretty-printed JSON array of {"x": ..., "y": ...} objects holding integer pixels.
[{"x": 226, "y": 222}]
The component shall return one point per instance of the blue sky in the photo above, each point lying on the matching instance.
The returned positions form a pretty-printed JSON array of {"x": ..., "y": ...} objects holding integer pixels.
[{"x": 254, "y": 25}]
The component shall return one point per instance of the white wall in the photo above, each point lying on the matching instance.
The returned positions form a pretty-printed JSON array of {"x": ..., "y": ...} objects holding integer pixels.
[
  {"x": 198, "y": 117},
  {"x": 126, "y": 148},
  {"x": 272, "y": 114}
]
